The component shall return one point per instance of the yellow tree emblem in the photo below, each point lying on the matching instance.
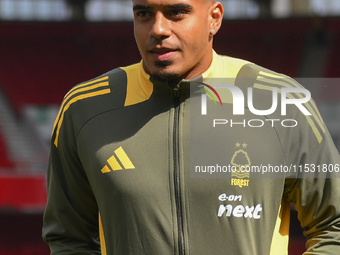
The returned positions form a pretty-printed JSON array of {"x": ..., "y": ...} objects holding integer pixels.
[{"x": 240, "y": 159}]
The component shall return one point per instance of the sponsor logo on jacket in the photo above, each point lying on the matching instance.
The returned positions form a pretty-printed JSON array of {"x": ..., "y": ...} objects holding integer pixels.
[{"x": 230, "y": 209}]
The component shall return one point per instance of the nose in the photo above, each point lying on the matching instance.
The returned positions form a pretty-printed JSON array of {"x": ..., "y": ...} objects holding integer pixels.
[{"x": 160, "y": 29}]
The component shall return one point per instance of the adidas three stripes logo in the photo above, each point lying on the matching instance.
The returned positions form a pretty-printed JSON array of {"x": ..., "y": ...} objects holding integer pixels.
[{"x": 118, "y": 161}]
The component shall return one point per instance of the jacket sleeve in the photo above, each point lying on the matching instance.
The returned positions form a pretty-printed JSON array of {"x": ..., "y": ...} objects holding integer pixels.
[
  {"x": 70, "y": 224},
  {"x": 316, "y": 190}
]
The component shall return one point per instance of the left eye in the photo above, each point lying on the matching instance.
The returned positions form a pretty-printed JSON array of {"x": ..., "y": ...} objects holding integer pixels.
[{"x": 176, "y": 13}]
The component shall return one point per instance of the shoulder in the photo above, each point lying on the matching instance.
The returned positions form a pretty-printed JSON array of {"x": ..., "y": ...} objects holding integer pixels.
[
  {"x": 235, "y": 68},
  {"x": 292, "y": 102},
  {"x": 275, "y": 95},
  {"x": 262, "y": 80},
  {"x": 282, "y": 100},
  {"x": 109, "y": 87},
  {"x": 230, "y": 67},
  {"x": 91, "y": 98}
]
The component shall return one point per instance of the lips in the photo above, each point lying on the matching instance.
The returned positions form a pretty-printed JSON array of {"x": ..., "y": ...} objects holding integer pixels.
[{"x": 163, "y": 54}]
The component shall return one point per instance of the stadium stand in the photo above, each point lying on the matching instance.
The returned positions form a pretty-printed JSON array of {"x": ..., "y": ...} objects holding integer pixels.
[
  {"x": 5, "y": 163},
  {"x": 22, "y": 193},
  {"x": 330, "y": 91},
  {"x": 277, "y": 44},
  {"x": 21, "y": 234},
  {"x": 43, "y": 61},
  {"x": 333, "y": 67}
]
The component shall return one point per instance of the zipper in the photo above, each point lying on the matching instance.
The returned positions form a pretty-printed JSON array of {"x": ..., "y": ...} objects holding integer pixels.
[{"x": 177, "y": 183}]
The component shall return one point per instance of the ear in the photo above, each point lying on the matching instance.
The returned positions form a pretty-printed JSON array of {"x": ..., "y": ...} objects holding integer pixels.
[{"x": 216, "y": 17}]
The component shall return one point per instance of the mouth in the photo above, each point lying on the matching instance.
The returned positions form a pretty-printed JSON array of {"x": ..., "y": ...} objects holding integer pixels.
[{"x": 162, "y": 54}]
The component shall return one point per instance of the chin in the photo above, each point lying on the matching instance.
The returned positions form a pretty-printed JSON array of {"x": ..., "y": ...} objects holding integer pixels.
[
  {"x": 165, "y": 72},
  {"x": 166, "y": 75}
]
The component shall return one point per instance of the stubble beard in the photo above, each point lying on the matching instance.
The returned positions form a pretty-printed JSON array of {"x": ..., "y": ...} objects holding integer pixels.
[{"x": 164, "y": 75}]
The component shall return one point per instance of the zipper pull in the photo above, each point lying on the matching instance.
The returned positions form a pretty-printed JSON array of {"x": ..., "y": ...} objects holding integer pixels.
[{"x": 176, "y": 91}]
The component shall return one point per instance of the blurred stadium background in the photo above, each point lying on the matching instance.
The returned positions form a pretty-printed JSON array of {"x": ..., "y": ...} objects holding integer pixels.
[{"x": 48, "y": 46}]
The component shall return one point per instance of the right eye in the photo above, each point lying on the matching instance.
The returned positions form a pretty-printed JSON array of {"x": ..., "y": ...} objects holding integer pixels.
[{"x": 143, "y": 14}]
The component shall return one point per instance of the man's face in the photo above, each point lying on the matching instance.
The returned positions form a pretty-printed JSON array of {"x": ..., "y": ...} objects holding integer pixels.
[{"x": 173, "y": 36}]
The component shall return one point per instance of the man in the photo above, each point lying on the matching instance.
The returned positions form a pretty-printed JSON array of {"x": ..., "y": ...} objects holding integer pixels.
[{"x": 119, "y": 179}]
